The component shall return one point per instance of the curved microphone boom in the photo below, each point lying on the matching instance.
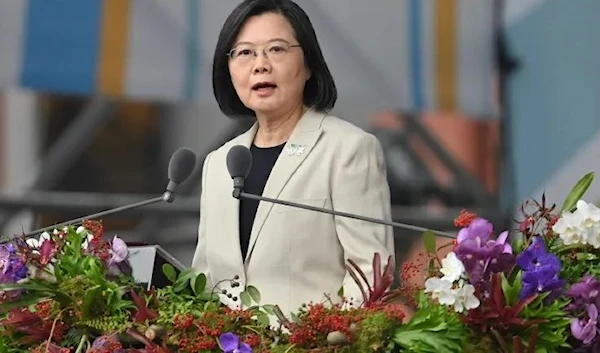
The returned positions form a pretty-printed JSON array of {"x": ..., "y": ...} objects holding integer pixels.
[
  {"x": 181, "y": 165},
  {"x": 239, "y": 162}
]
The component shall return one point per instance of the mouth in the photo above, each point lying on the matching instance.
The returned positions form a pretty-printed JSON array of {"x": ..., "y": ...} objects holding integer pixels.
[{"x": 263, "y": 86}]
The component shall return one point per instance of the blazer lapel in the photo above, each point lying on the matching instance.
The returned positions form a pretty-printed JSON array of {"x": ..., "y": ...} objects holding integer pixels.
[{"x": 295, "y": 151}]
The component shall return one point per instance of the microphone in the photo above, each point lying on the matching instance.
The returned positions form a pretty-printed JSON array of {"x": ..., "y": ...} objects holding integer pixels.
[
  {"x": 239, "y": 162},
  {"x": 181, "y": 165}
]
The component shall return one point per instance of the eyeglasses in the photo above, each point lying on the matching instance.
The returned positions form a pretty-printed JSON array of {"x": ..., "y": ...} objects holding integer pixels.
[{"x": 245, "y": 54}]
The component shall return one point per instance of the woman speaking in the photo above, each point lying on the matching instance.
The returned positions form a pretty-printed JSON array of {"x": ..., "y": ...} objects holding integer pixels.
[{"x": 268, "y": 66}]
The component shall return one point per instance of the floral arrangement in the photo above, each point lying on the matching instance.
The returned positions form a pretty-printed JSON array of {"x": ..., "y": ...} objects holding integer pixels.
[
  {"x": 72, "y": 291},
  {"x": 532, "y": 289}
]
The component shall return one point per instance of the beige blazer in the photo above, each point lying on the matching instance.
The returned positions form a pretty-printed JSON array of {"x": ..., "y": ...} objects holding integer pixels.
[{"x": 297, "y": 256}]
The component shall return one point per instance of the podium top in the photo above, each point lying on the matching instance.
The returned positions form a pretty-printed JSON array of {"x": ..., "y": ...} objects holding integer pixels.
[{"x": 158, "y": 250}]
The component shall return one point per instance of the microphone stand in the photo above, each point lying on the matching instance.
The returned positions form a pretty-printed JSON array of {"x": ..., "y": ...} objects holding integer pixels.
[
  {"x": 237, "y": 193},
  {"x": 167, "y": 196}
]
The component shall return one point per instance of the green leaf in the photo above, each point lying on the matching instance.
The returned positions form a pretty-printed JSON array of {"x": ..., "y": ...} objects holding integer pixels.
[
  {"x": 170, "y": 272},
  {"x": 91, "y": 297},
  {"x": 262, "y": 318},
  {"x": 577, "y": 192},
  {"x": 511, "y": 292},
  {"x": 295, "y": 318},
  {"x": 429, "y": 241},
  {"x": 208, "y": 297},
  {"x": 340, "y": 292},
  {"x": 199, "y": 284},
  {"x": 180, "y": 285},
  {"x": 517, "y": 244},
  {"x": 254, "y": 293},
  {"x": 183, "y": 281},
  {"x": 187, "y": 274},
  {"x": 246, "y": 299},
  {"x": 431, "y": 266},
  {"x": 270, "y": 309}
]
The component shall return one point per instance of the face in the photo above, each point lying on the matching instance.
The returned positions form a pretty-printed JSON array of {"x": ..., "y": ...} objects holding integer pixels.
[{"x": 268, "y": 84}]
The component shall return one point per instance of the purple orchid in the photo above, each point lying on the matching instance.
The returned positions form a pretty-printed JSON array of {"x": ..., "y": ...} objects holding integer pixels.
[
  {"x": 4, "y": 259},
  {"x": 540, "y": 281},
  {"x": 119, "y": 251},
  {"x": 12, "y": 267},
  {"x": 107, "y": 343},
  {"x": 480, "y": 254},
  {"x": 586, "y": 329},
  {"x": 585, "y": 292},
  {"x": 230, "y": 343},
  {"x": 536, "y": 256},
  {"x": 117, "y": 263},
  {"x": 540, "y": 271}
]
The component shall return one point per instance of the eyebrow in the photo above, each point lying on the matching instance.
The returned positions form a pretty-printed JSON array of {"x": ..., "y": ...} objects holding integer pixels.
[{"x": 269, "y": 41}]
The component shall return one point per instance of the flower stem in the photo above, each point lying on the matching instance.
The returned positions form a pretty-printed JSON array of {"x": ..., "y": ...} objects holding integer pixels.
[{"x": 81, "y": 344}]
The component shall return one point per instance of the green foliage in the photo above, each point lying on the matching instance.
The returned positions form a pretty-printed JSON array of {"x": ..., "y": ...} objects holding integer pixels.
[
  {"x": 577, "y": 261},
  {"x": 7, "y": 345},
  {"x": 429, "y": 241},
  {"x": 577, "y": 192},
  {"x": 554, "y": 328},
  {"x": 374, "y": 331},
  {"x": 511, "y": 291},
  {"x": 76, "y": 280},
  {"x": 108, "y": 323},
  {"x": 188, "y": 294},
  {"x": 552, "y": 320},
  {"x": 432, "y": 329}
]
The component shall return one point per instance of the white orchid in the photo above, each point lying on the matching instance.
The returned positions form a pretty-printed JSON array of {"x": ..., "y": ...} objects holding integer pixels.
[
  {"x": 88, "y": 238},
  {"x": 567, "y": 227},
  {"x": 465, "y": 298},
  {"x": 581, "y": 226},
  {"x": 452, "y": 268},
  {"x": 451, "y": 289},
  {"x": 35, "y": 243},
  {"x": 441, "y": 290}
]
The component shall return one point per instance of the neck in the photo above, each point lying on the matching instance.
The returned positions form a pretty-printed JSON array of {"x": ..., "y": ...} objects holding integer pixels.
[{"x": 274, "y": 131}]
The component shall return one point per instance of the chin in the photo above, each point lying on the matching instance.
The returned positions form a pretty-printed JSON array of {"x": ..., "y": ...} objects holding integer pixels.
[{"x": 265, "y": 107}]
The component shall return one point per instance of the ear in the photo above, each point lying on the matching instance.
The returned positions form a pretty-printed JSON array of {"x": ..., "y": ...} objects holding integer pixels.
[{"x": 308, "y": 74}]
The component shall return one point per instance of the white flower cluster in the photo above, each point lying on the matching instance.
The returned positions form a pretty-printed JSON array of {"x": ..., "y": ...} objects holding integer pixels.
[
  {"x": 581, "y": 226},
  {"x": 37, "y": 244},
  {"x": 452, "y": 289}
]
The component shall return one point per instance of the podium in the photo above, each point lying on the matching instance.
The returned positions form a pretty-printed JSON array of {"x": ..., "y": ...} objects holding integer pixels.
[{"x": 146, "y": 264}]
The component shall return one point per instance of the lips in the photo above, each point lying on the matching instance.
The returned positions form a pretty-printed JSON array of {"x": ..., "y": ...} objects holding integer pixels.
[{"x": 263, "y": 85}]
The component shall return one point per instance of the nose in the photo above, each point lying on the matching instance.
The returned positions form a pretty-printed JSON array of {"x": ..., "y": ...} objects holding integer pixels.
[{"x": 261, "y": 64}]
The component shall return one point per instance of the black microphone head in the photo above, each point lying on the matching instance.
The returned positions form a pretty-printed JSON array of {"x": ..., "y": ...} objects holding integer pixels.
[
  {"x": 239, "y": 161},
  {"x": 181, "y": 165}
]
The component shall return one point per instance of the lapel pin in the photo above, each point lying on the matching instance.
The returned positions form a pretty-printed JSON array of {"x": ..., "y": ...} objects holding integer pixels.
[{"x": 295, "y": 149}]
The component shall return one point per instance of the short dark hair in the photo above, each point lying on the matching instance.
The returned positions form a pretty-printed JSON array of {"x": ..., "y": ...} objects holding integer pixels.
[{"x": 320, "y": 91}]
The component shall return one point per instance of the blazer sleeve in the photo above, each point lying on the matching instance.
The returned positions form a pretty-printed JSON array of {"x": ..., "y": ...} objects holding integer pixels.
[
  {"x": 199, "y": 262},
  {"x": 360, "y": 186}
]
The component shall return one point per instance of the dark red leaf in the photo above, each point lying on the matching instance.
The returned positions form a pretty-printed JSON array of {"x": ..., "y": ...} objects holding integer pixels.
[{"x": 143, "y": 312}]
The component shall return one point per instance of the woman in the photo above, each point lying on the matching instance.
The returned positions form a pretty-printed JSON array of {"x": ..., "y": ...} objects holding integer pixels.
[{"x": 268, "y": 65}]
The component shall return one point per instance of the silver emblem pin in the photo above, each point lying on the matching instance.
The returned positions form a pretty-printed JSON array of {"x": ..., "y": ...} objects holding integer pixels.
[{"x": 295, "y": 149}]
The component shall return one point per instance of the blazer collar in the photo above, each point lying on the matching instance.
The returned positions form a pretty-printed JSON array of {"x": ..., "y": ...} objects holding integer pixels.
[
  {"x": 304, "y": 136},
  {"x": 310, "y": 121}
]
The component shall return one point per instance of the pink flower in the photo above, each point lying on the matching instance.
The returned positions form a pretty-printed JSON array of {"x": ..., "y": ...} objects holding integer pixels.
[
  {"x": 119, "y": 251},
  {"x": 585, "y": 330}
]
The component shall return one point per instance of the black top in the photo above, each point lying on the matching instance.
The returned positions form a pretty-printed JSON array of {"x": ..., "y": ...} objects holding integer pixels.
[{"x": 263, "y": 160}]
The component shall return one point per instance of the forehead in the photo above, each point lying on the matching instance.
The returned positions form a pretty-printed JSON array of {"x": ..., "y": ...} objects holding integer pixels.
[{"x": 265, "y": 27}]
